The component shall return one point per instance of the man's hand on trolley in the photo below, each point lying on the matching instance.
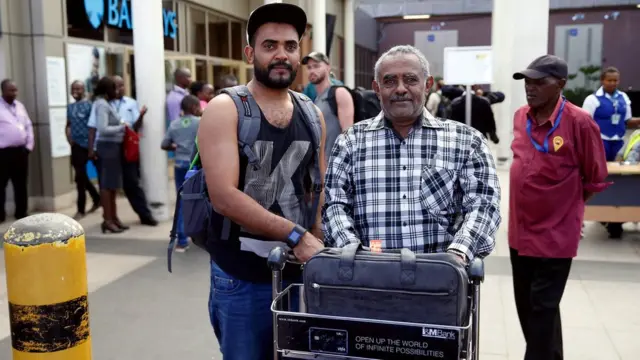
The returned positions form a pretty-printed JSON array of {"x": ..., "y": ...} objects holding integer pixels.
[
  {"x": 308, "y": 246},
  {"x": 462, "y": 258}
]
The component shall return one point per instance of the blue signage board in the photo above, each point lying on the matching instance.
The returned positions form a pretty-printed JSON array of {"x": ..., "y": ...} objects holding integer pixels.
[
  {"x": 573, "y": 32},
  {"x": 119, "y": 15},
  {"x": 431, "y": 38}
]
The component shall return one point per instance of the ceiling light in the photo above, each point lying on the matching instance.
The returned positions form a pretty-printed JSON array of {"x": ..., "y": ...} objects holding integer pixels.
[{"x": 416, "y": 17}]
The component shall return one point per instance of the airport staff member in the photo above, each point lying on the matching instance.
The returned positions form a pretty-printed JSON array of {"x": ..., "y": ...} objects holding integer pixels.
[
  {"x": 558, "y": 163},
  {"x": 406, "y": 179},
  {"x": 611, "y": 109}
]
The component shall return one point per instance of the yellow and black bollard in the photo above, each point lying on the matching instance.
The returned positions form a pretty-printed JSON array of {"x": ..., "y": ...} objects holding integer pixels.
[{"x": 47, "y": 288}]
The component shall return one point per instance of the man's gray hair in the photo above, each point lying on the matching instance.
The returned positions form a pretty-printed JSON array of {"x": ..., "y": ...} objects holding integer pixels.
[{"x": 403, "y": 50}]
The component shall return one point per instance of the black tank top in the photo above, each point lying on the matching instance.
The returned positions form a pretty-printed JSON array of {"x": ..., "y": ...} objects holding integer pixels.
[{"x": 278, "y": 185}]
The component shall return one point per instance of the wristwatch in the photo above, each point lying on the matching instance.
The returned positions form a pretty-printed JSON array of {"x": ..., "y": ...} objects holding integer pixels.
[{"x": 296, "y": 234}]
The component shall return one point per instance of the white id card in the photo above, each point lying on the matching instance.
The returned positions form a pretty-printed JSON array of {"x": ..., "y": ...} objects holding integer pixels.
[{"x": 615, "y": 119}]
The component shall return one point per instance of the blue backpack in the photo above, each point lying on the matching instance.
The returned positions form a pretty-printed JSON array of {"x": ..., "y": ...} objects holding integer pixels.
[{"x": 200, "y": 221}]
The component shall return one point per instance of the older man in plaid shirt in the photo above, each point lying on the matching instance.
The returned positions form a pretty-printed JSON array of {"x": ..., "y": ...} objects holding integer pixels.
[{"x": 406, "y": 179}]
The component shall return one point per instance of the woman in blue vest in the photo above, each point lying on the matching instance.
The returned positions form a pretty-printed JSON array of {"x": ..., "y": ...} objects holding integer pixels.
[{"x": 611, "y": 109}]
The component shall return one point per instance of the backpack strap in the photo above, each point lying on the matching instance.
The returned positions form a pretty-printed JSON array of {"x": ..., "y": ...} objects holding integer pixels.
[
  {"x": 194, "y": 161},
  {"x": 249, "y": 119},
  {"x": 312, "y": 120},
  {"x": 331, "y": 99}
]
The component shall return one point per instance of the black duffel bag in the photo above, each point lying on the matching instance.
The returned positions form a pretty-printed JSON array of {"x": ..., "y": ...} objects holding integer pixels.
[{"x": 396, "y": 285}]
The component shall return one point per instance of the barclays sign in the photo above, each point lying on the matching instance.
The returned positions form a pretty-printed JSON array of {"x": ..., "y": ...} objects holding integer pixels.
[{"x": 119, "y": 15}]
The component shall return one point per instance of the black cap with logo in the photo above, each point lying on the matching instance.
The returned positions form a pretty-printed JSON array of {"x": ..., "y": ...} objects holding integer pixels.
[
  {"x": 317, "y": 56},
  {"x": 544, "y": 66},
  {"x": 277, "y": 13}
]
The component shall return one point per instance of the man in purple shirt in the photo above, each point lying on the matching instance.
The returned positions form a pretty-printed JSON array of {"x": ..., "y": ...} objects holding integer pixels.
[
  {"x": 182, "y": 77},
  {"x": 16, "y": 143}
]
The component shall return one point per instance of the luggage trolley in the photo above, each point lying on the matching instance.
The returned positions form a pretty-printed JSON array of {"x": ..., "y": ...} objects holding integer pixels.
[{"x": 302, "y": 335}]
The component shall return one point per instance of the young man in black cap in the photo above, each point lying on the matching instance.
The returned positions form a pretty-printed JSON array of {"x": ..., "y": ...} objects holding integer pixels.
[
  {"x": 265, "y": 204},
  {"x": 558, "y": 163}
]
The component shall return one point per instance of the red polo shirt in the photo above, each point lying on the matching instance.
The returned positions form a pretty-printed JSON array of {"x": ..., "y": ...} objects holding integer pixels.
[{"x": 546, "y": 202}]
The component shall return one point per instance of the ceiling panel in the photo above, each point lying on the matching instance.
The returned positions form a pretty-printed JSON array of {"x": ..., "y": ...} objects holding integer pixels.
[{"x": 392, "y": 8}]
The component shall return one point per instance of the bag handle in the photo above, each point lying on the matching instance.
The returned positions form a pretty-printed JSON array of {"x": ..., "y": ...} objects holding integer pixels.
[
  {"x": 407, "y": 267},
  {"x": 347, "y": 258},
  {"x": 407, "y": 264}
]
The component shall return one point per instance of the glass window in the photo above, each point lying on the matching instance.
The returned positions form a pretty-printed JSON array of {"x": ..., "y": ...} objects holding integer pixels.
[
  {"x": 82, "y": 22},
  {"x": 237, "y": 45},
  {"x": 336, "y": 57},
  {"x": 201, "y": 70},
  {"x": 119, "y": 31},
  {"x": 170, "y": 25},
  {"x": 197, "y": 34},
  {"x": 218, "y": 36}
]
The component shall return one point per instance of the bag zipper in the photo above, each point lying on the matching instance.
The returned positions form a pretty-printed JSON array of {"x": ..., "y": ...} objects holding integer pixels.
[{"x": 318, "y": 287}]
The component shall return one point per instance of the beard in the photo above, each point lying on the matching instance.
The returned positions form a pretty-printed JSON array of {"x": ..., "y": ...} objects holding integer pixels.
[
  {"x": 318, "y": 79},
  {"x": 262, "y": 75}
]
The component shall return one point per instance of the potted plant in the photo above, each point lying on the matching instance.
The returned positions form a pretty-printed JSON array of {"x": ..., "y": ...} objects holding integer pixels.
[{"x": 591, "y": 75}]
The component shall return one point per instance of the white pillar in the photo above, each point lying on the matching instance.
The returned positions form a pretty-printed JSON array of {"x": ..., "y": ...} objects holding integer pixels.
[
  {"x": 148, "y": 46},
  {"x": 516, "y": 41},
  {"x": 349, "y": 45},
  {"x": 320, "y": 26}
]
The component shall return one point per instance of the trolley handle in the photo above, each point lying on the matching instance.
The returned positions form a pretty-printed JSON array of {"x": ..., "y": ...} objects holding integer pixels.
[{"x": 277, "y": 258}]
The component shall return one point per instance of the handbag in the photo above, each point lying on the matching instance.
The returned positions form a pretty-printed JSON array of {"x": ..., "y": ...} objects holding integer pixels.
[{"x": 131, "y": 145}]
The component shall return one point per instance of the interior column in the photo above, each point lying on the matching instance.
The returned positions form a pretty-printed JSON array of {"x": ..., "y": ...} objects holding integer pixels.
[
  {"x": 349, "y": 45},
  {"x": 148, "y": 45},
  {"x": 519, "y": 34},
  {"x": 319, "y": 32}
]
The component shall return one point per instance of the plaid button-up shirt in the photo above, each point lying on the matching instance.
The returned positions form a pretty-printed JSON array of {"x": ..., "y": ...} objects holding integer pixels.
[{"x": 434, "y": 191}]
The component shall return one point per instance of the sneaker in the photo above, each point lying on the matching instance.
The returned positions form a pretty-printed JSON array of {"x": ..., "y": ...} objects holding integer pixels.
[{"x": 182, "y": 248}]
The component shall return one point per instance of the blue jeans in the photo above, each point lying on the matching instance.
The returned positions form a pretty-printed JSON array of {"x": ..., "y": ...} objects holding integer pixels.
[
  {"x": 179, "y": 174},
  {"x": 241, "y": 317}
]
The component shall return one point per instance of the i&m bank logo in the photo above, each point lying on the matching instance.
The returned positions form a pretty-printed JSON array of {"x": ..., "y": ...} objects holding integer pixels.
[
  {"x": 95, "y": 12},
  {"x": 119, "y": 15}
]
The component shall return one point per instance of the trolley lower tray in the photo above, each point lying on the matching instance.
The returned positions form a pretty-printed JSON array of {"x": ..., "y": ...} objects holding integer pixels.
[{"x": 365, "y": 339}]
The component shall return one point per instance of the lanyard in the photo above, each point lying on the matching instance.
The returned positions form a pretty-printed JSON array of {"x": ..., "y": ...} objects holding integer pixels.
[
  {"x": 545, "y": 147},
  {"x": 117, "y": 105},
  {"x": 616, "y": 104}
]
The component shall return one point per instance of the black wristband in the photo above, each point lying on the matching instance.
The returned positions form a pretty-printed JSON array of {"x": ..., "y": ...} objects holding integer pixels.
[{"x": 295, "y": 235}]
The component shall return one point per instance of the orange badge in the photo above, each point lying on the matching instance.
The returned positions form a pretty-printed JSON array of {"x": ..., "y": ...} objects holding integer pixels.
[
  {"x": 375, "y": 245},
  {"x": 557, "y": 143}
]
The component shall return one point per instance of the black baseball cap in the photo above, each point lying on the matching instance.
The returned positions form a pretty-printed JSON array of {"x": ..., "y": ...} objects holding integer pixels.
[
  {"x": 317, "y": 56},
  {"x": 277, "y": 13},
  {"x": 545, "y": 65}
]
